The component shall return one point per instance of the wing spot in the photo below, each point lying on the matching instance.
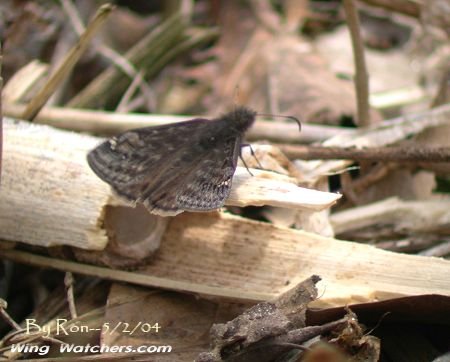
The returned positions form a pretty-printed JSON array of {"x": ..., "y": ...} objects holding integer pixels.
[
  {"x": 224, "y": 183},
  {"x": 113, "y": 143}
]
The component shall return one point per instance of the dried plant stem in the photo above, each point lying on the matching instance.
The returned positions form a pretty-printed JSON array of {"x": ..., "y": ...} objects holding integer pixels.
[
  {"x": 107, "y": 123},
  {"x": 73, "y": 15},
  {"x": 117, "y": 59},
  {"x": 374, "y": 175},
  {"x": 194, "y": 38},
  {"x": 443, "y": 93},
  {"x": 68, "y": 282},
  {"x": 440, "y": 250},
  {"x": 406, "y": 7},
  {"x": 361, "y": 75},
  {"x": 6, "y": 317},
  {"x": 69, "y": 62},
  {"x": 407, "y": 217},
  {"x": 147, "y": 51},
  {"x": 1, "y": 111},
  {"x": 129, "y": 277},
  {"x": 266, "y": 15},
  {"x": 411, "y": 244},
  {"x": 387, "y": 133},
  {"x": 135, "y": 83},
  {"x": 382, "y": 154},
  {"x": 347, "y": 189}
]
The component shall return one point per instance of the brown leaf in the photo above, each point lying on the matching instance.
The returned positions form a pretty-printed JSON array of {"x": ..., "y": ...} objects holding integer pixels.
[{"x": 244, "y": 338}]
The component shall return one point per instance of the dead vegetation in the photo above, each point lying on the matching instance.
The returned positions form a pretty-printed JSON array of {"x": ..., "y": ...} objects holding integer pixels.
[{"x": 336, "y": 250}]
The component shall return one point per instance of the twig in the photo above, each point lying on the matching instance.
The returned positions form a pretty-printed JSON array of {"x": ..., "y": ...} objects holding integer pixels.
[
  {"x": 395, "y": 216},
  {"x": 296, "y": 13},
  {"x": 73, "y": 16},
  {"x": 1, "y": 111},
  {"x": 69, "y": 62},
  {"x": 4, "y": 314},
  {"x": 396, "y": 98},
  {"x": 386, "y": 133},
  {"x": 347, "y": 189},
  {"x": 260, "y": 190},
  {"x": 376, "y": 173},
  {"x": 412, "y": 244},
  {"x": 245, "y": 60},
  {"x": 66, "y": 41},
  {"x": 442, "y": 249},
  {"x": 147, "y": 51},
  {"x": 107, "y": 123},
  {"x": 117, "y": 59},
  {"x": 266, "y": 15},
  {"x": 361, "y": 75},
  {"x": 406, "y": 7},
  {"x": 130, "y": 277},
  {"x": 68, "y": 283},
  {"x": 135, "y": 83},
  {"x": 378, "y": 154},
  {"x": 19, "y": 85},
  {"x": 443, "y": 94}
]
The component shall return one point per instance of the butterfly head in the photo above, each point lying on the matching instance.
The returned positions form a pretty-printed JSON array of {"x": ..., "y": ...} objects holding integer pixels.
[{"x": 241, "y": 118}]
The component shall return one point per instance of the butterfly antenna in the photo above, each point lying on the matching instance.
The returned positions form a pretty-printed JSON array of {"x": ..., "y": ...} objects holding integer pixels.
[{"x": 282, "y": 116}]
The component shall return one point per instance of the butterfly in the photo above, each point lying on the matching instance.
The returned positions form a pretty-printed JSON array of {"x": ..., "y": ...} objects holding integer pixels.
[{"x": 184, "y": 166}]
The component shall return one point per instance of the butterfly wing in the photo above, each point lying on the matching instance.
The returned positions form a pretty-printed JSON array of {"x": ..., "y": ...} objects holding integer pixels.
[
  {"x": 204, "y": 186},
  {"x": 140, "y": 156},
  {"x": 170, "y": 168}
]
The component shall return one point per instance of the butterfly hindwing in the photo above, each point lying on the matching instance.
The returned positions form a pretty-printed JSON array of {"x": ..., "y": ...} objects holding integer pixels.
[{"x": 203, "y": 186}]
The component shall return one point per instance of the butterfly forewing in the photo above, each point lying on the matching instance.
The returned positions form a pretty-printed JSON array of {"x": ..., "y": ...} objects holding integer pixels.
[
  {"x": 126, "y": 161},
  {"x": 152, "y": 165}
]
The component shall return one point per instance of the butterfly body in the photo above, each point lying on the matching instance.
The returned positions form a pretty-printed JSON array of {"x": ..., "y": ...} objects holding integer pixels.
[{"x": 185, "y": 166}]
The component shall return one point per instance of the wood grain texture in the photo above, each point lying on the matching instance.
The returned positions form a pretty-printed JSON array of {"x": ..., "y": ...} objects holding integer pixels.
[
  {"x": 221, "y": 256},
  {"x": 424, "y": 216},
  {"x": 48, "y": 195},
  {"x": 243, "y": 255}
]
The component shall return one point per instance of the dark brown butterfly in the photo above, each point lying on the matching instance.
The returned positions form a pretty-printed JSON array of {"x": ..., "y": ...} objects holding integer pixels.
[{"x": 185, "y": 166}]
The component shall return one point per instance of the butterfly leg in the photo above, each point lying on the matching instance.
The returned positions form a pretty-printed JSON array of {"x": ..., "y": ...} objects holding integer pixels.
[
  {"x": 252, "y": 153},
  {"x": 246, "y": 166}
]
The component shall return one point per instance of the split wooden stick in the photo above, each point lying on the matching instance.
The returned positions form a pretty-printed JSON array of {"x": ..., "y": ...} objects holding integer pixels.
[{"x": 50, "y": 196}]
